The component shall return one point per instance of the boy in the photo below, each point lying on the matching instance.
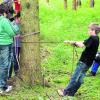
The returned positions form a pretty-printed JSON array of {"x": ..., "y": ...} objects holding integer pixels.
[
  {"x": 85, "y": 61},
  {"x": 16, "y": 53},
  {"x": 17, "y": 43},
  {"x": 7, "y": 32}
]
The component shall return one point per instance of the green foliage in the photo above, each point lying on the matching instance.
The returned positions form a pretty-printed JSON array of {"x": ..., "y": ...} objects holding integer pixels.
[{"x": 58, "y": 24}]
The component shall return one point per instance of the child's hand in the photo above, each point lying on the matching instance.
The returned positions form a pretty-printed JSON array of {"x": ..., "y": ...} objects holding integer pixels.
[
  {"x": 17, "y": 20},
  {"x": 69, "y": 42},
  {"x": 79, "y": 44}
]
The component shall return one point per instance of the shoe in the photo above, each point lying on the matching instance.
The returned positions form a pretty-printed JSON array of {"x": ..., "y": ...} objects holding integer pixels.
[
  {"x": 91, "y": 74},
  {"x": 1, "y": 91},
  {"x": 60, "y": 93},
  {"x": 8, "y": 89}
]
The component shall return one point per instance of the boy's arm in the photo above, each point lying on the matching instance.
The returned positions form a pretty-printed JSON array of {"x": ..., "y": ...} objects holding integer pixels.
[
  {"x": 79, "y": 44},
  {"x": 75, "y": 43},
  {"x": 8, "y": 27}
]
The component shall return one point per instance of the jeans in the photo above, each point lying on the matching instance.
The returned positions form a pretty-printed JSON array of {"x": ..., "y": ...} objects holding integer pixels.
[
  {"x": 95, "y": 67},
  {"x": 5, "y": 62},
  {"x": 16, "y": 52},
  {"x": 77, "y": 79}
]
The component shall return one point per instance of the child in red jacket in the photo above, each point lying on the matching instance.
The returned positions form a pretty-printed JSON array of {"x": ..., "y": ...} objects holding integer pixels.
[{"x": 17, "y": 6}]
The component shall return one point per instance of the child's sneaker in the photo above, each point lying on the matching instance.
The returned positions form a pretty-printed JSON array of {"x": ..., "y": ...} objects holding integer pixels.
[
  {"x": 60, "y": 92},
  {"x": 91, "y": 74},
  {"x": 1, "y": 91},
  {"x": 8, "y": 89}
]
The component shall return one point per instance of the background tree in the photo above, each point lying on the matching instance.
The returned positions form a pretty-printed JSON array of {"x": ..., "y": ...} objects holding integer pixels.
[
  {"x": 92, "y": 3},
  {"x": 65, "y": 4},
  {"x": 30, "y": 70},
  {"x": 78, "y": 2},
  {"x": 47, "y": 1},
  {"x": 74, "y": 5}
]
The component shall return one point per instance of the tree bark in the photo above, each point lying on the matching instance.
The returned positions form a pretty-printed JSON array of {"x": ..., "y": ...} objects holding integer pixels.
[
  {"x": 30, "y": 70},
  {"x": 92, "y": 3},
  {"x": 74, "y": 5},
  {"x": 47, "y": 1},
  {"x": 65, "y": 4},
  {"x": 79, "y": 3}
]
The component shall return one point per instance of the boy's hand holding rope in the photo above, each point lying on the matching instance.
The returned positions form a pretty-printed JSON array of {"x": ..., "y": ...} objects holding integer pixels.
[{"x": 73, "y": 43}]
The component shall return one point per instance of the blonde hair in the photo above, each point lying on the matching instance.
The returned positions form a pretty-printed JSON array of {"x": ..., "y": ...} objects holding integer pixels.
[{"x": 95, "y": 27}]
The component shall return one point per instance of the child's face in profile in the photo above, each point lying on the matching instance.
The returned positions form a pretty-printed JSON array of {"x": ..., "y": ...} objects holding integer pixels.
[
  {"x": 91, "y": 31},
  {"x": 5, "y": 14}
]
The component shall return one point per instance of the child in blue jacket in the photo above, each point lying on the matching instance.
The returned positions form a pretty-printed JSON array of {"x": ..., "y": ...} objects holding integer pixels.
[{"x": 95, "y": 65}]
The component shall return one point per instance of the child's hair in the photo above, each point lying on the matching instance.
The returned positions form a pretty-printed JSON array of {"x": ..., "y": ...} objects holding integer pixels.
[
  {"x": 2, "y": 9},
  {"x": 6, "y": 8},
  {"x": 95, "y": 27}
]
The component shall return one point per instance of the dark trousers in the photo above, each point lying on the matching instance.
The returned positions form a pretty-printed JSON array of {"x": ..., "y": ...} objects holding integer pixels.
[{"x": 15, "y": 61}]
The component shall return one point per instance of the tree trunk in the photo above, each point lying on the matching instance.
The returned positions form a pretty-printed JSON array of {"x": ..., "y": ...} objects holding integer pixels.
[
  {"x": 65, "y": 4},
  {"x": 74, "y": 5},
  {"x": 79, "y": 3},
  {"x": 47, "y": 1},
  {"x": 30, "y": 70},
  {"x": 92, "y": 3}
]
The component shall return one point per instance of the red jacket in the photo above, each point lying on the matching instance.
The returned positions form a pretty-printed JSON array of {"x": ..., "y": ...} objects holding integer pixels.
[{"x": 17, "y": 5}]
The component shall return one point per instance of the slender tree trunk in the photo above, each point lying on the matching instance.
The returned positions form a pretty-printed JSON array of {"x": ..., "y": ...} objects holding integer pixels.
[
  {"x": 79, "y": 3},
  {"x": 74, "y": 5},
  {"x": 65, "y": 4},
  {"x": 30, "y": 70},
  {"x": 47, "y": 1},
  {"x": 92, "y": 3}
]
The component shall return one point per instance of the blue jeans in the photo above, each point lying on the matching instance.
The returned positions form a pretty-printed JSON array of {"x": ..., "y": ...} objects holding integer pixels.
[
  {"x": 95, "y": 67},
  {"x": 77, "y": 79},
  {"x": 5, "y": 61}
]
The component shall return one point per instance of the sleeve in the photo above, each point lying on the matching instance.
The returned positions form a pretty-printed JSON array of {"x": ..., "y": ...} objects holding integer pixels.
[
  {"x": 9, "y": 28},
  {"x": 16, "y": 27},
  {"x": 88, "y": 42},
  {"x": 97, "y": 57}
]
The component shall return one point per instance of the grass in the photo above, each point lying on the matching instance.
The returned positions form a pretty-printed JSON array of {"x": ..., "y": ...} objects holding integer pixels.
[{"x": 57, "y": 25}]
